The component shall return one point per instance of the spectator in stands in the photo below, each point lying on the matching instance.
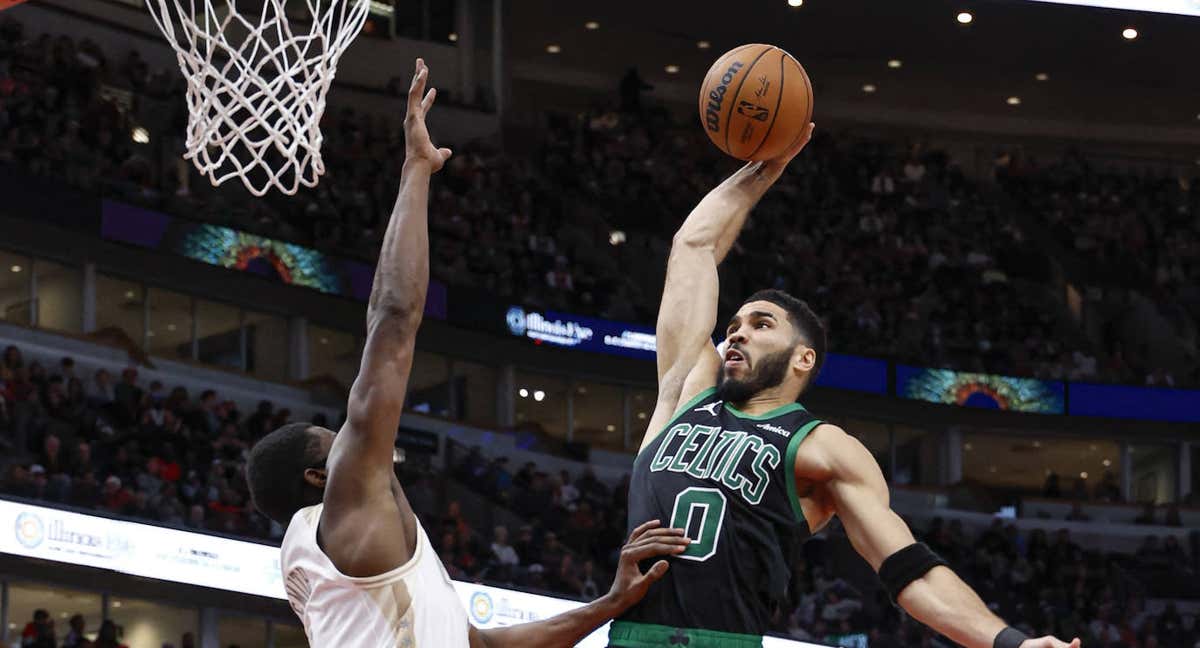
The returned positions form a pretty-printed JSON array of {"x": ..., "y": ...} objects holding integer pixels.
[
  {"x": 12, "y": 358},
  {"x": 115, "y": 498},
  {"x": 39, "y": 633},
  {"x": 1052, "y": 489},
  {"x": 1108, "y": 490},
  {"x": 504, "y": 557},
  {"x": 100, "y": 391},
  {"x": 527, "y": 550},
  {"x": 128, "y": 397},
  {"x": 76, "y": 636},
  {"x": 109, "y": 636}
]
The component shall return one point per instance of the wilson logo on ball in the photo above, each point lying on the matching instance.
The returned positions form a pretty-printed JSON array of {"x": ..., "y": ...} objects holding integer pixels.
[{"x": 712, "y": 113}]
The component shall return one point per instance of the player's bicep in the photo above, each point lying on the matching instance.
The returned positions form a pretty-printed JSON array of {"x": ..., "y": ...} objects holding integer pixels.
[
  {"x": 861, "y": 499},
  {"x": 676, "y": 390}
]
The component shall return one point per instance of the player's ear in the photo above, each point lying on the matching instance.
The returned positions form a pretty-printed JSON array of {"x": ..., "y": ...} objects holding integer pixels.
[
  {"x": 315, "y": 477},
  {"x": 804, "y": 358}
]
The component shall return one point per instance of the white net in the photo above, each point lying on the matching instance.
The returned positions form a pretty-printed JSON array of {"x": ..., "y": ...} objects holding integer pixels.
[{"x": 257, "y": 81}]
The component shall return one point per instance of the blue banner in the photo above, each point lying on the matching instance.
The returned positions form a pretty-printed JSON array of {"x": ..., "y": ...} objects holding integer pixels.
[
  {"x": 1121, "y": 401},
  {"x": 985, "y": 391},
  {"x": 583, "y": 333},
  {"x": 855, "y": 373}
]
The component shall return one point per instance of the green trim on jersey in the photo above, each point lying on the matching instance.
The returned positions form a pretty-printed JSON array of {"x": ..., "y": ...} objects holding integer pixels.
[
  {"x": 686, "y": 406},
  {"x": 789, "y": 465},
  {"x": 629, "y": 634},
  {"x": 778, "y": 411}
]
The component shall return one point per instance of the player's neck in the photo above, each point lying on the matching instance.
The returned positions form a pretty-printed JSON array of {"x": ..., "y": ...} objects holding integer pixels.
[{"x": 764, "y": 401}]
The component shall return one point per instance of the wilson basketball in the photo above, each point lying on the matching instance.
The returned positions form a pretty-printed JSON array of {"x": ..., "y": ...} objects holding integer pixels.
[{"x": 755, "y": 102}]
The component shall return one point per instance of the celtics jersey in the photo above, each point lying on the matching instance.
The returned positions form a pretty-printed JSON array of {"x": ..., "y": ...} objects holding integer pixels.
[{"x": 728, "y": 478}]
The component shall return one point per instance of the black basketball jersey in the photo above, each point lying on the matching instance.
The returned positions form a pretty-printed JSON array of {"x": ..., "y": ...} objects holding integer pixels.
[{"x": 728, "y": 478}]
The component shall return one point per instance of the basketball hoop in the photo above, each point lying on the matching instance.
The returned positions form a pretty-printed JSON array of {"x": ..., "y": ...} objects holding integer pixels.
[{"x": 256, "y": 85}]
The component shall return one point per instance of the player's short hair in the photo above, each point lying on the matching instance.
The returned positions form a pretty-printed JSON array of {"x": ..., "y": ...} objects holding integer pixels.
[
  {"x": 275, "y": 470},
  {"x": 808, "y": 326}
]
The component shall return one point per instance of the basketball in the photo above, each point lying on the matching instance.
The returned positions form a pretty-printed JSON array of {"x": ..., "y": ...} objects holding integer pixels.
[{"x": 755, "y": 102}]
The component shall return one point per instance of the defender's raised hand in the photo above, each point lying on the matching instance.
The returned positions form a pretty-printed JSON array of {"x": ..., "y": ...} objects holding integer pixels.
[{"x": 418, "y": 146}]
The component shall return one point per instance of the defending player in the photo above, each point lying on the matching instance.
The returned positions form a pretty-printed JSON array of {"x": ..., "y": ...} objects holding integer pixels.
[
  {"x": 358, "y": 568},
  {"x": 731, "y": 456}
]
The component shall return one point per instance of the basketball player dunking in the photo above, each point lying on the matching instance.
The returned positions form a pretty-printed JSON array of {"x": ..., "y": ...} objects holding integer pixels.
[
  {"x": 357, "y": 566},
  {"x": 731, "y": 456}
]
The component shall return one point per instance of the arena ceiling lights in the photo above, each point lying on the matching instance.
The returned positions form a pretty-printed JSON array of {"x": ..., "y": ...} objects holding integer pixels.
[{"x": 1178, "y": 7}]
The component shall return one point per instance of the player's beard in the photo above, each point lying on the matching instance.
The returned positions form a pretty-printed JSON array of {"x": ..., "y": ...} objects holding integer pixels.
[{"x": 767, "y": 373}]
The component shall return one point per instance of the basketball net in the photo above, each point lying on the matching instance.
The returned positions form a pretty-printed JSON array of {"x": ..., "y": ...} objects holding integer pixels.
[{"x": 256, "y": 85}]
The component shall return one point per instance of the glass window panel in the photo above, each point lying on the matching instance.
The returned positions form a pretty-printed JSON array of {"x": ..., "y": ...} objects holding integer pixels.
[
  {"x": 242, "y": 631},
  {"x": 119, "y": 306},
  {"x": 145, "y": 623},
  {"x": 217, "y": 330},
  {"x": 541, "y": 404},
  {"x": 641, "y": 408},
  {"x": 266, "y": 346},
  {"x": 170, "y": 333},
  {"x": 14, "y": 289},
  {"x": 916, "y": 456},
  {"x": 334, "y": 354},
  {"x": 59, "y": 297},
  {"x": 62, "y": 604},
  {"x": 598, "y": 415},
  {"x": 475, "y": 387},
  {"x": 428, "y": 386},
  {"x": 290, "y": 636},
  {"x": 1155, "y": 471},
  {"x": 1049, "y": 467}
]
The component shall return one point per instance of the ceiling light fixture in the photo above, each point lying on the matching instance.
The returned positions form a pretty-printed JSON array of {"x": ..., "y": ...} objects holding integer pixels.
[
  {"x": 795, "y": 3},
  {"x": 965, "y": 17},
  {"x": 453, "y": 37},
  {"x": 1130, "y": 33},
  {"x": 591, "y": 25},
  {"x": 703, "y": 44},
  {"x": 672, "y": 69},
  {"x": 1014, "y": 101},
  {"x": 1042, "y": 76},
  {"x": 895, "y": 63},
  {"x": 553, "y": 49},
  {"x": 869, "y": 88}
]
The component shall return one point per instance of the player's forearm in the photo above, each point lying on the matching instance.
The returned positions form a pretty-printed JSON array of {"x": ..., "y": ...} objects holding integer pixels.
[
  {"x": 942, "y": 601},
  {"x": 717, "y": 220},
  {"x": 402, "y": 274},
  {"x": 563, "y": 630}
]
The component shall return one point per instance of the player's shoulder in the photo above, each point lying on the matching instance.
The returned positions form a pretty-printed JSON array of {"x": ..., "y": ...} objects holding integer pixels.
[{"x": 827, "y": 449}]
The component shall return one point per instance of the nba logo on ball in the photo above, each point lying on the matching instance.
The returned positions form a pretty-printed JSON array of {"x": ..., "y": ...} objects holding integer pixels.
[
  {"x": 516, "y": 320},
  {"x": 30, "y": 532},
  {"x": 481, "y": 607}
]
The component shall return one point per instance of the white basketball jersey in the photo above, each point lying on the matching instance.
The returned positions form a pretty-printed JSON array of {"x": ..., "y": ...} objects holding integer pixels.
[{"x": 411, "y": 606}]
